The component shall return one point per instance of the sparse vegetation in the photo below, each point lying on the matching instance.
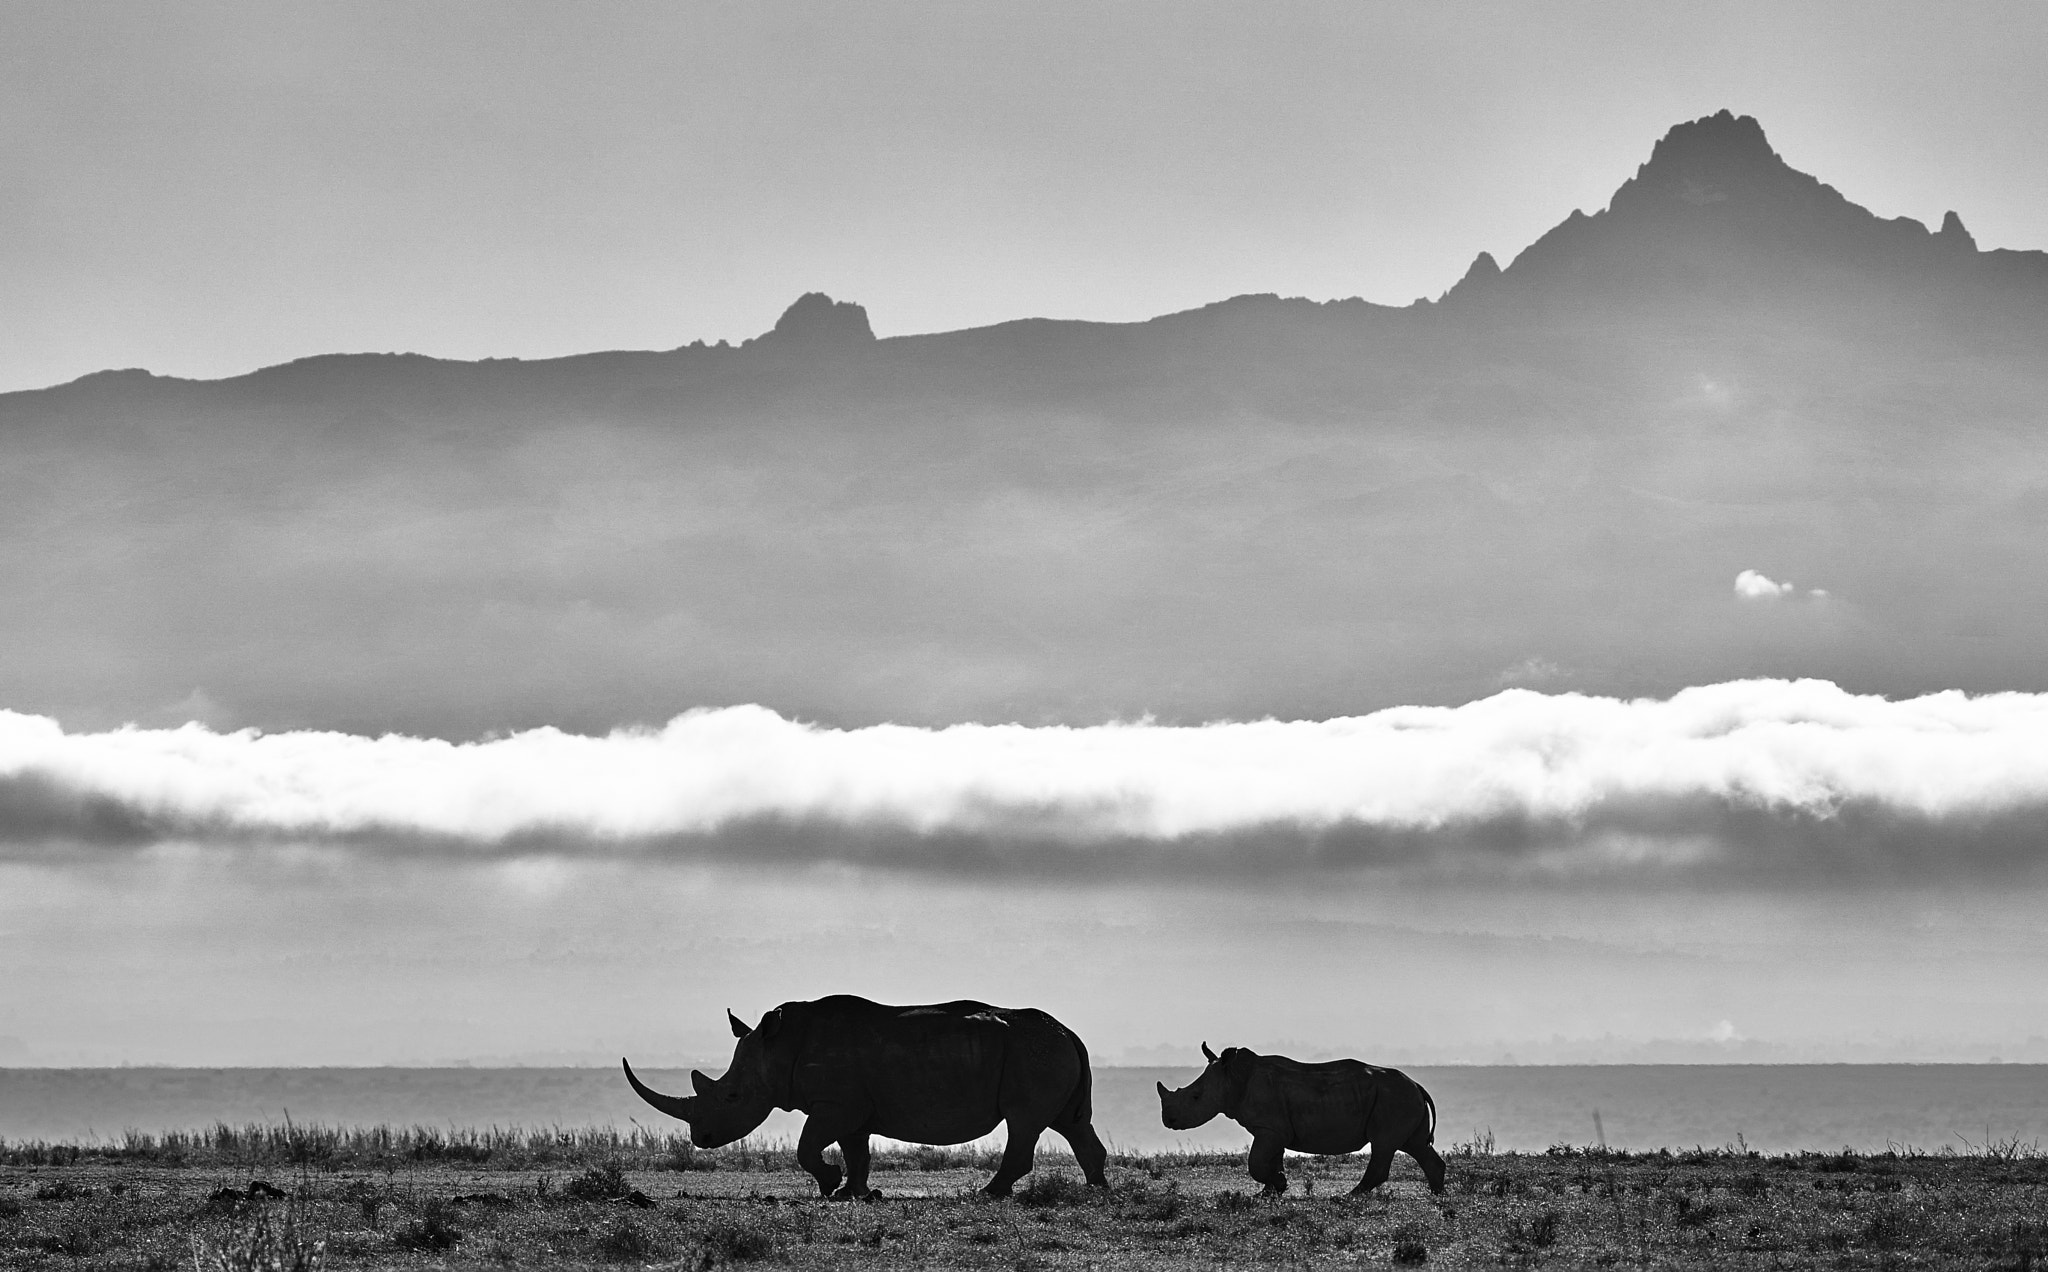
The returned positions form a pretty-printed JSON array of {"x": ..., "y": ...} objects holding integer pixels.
[{"x": 340, "y": 1199}]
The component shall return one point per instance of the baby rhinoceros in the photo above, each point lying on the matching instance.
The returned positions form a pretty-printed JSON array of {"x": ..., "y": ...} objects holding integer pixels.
[{"x": 1339, "y": 1106}]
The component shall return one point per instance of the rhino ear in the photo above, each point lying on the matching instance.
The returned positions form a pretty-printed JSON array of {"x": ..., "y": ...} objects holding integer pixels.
[
  {"x": 1208, "y": 1053},
  {"x": 699, "y": 1083},
  {"x": 771, "y": 1023},
  {"x": 739, "y": 1028},
  {"x": 1162, "y": 1089}
]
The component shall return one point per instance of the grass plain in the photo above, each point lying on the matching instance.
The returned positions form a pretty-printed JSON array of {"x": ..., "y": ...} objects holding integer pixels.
[{"x": 290, "y": 1197}]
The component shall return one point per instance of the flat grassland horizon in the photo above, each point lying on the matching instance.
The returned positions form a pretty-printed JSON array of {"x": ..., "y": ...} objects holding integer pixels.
[
  {"x": 288, "y": 1196},
  {"x": 1772, "y": 1108}
]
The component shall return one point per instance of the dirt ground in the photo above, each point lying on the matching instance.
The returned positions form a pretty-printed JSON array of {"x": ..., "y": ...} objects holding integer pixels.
[{"x": 1565, "y": 1210}]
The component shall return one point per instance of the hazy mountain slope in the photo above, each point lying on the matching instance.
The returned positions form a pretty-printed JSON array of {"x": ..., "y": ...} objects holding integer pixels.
[{"x": 1551, "y": 477}]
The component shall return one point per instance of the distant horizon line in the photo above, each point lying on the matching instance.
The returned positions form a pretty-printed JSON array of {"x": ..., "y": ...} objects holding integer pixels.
[{"x": 458, "y": 1066}]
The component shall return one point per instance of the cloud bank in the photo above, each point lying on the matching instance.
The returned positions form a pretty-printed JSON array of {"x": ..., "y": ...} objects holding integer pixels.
[{"x": 1743, "y": 778}]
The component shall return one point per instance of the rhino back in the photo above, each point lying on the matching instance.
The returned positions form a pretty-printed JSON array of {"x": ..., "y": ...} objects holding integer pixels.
[
  {"x": 932, "y": 1073},
  {"x": 1335, "y": 1106}
]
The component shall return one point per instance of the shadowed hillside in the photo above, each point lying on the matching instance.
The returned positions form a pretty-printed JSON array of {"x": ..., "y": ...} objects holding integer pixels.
[{"x": 1552, "y": 477}]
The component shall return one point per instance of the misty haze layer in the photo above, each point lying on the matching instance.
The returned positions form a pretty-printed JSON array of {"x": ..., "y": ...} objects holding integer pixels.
[
  {"x": 188, "y": 954},
  {"x": 1766, "y": 777},
  {"x": 1265, "y": 506}
]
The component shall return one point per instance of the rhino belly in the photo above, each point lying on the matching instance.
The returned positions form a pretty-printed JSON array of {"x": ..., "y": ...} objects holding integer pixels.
[
  {"x": 934, "y": 1124},
  {"x": 941, "y": 1088},
  {"x": 1328, "y": 1139}
]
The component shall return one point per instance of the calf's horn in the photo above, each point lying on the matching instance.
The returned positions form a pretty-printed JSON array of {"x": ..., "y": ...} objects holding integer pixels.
[{"x": 1208, "y": 1053}]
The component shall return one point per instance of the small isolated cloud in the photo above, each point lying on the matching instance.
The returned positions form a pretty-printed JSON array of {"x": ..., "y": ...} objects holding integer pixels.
[
  {"x": 1760, "y": 777},
  {"x": 1530, "y": 671},
  {"x": 1751, "y": 585}
]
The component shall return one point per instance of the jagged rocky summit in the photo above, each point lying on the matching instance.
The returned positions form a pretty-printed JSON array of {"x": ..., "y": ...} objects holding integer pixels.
[
  {"x": 1715, "y": 211},
  {"x": 816, "y": 322}
]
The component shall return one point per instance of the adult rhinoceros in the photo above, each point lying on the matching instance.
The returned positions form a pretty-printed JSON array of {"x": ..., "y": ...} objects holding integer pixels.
[
  {"x": 941, "y": 1074},
  {"x": 1335, "y": 1107}
]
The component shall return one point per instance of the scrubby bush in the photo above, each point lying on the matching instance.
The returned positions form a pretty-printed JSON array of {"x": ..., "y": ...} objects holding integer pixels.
[
  {"x": 627, "y": 1241},
  {"x": 1052, "y": 1188},
  {"x": 266, "y": 1242},
  {"x": 431, "y": 1231},
  {"x": 737, "y": 1240},
  {"x": 600, "y": 1183}
]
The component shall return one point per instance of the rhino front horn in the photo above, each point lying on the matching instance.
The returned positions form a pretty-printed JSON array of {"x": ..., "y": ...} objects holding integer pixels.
[
  {"x": 1208, "y": 1053},
  {"x": 675, "y": 1106},
  {"x": 739, "y": 1027}
]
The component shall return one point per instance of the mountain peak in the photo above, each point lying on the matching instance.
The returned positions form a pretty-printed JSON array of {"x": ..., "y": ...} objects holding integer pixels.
[
  {"x": 1484, "y": 270},
  {"x": 1953, "y": 234},
  {"x": 816, "y": 321},
  {"x": 1721, "y": 158},
  {"x": 1717, "y": 211}
]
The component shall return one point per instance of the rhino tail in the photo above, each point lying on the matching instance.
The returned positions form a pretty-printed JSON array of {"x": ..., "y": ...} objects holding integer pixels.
[{"x": 1430, "y": 1100}]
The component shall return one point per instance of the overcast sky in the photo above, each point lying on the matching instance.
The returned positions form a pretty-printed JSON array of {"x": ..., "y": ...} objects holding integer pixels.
[{"x": 205, "y": 188}]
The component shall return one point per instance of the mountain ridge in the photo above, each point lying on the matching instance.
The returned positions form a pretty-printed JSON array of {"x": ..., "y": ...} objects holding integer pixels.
[
  {"x": 1261, "y": 506},
  {"x": 1715, "y": 179}
]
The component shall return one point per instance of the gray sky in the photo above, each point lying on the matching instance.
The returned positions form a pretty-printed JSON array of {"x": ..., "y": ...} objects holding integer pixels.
[{"x": 202, "y": 189}]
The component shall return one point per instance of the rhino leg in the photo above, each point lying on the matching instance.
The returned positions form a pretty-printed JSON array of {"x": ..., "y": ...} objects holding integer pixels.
[
  {"x": 1088, "y": 1151},
  {"x": 1378, "y": 1168},
  {"x": 1425, "y": 1156},
  {"x": 1017, "y": 1156},
  {"x": 1268, "y": 1150},
  {"x": 819, "y": 1130},
  {"x": 854, "y": 1148}
]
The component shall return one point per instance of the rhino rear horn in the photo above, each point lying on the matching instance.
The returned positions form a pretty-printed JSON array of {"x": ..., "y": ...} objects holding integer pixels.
[
  {"x": 739, "y": 1027},
  {"x": 1208, "y": 1053}
]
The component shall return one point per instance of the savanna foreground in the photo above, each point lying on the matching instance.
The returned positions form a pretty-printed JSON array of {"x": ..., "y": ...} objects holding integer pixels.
[{"x": 290, "y": 1198}]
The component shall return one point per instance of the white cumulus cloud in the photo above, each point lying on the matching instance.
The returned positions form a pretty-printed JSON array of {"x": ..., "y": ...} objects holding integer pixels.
[
  {"x": 1748, "y": 776},
  {"x": 1751, "y": 585}
]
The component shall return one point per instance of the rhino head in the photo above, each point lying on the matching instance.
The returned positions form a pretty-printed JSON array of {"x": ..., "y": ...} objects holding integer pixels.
[
  {"x": 1218, "y": 1090},
  {"x": 725, "y": 1109}
]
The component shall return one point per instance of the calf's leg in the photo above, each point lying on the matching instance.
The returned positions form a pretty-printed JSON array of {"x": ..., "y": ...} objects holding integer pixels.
[
  {"x": 819, "y": 1130},
  {"x": 1268, "y": 1149},
  {"x": 1376, "y": 1169},
  {"x": 1425, "y": 1156}
]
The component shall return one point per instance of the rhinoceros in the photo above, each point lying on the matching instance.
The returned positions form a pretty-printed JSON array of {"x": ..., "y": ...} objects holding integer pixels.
[
  {"x": 1335, "y": 1107},
  {"x": 939, "y": 1074}
]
